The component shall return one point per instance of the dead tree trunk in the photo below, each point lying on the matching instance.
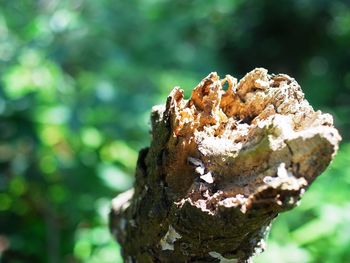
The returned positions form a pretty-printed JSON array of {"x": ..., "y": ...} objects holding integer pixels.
[{"x": 221, "y": 166}]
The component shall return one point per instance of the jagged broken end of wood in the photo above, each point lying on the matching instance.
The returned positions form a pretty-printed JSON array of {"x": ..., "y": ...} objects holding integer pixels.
[{"x": 221, "y": 166}]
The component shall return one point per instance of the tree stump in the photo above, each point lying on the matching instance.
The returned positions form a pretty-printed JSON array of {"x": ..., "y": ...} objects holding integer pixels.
[{"x": 221, "y": 166}]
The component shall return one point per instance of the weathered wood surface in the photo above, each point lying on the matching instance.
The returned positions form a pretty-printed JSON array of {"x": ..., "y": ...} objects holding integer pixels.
[{"x": 221, "y": 166}]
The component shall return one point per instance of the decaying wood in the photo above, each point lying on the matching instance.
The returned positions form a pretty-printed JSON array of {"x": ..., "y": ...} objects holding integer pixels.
[{"x": 221, "y": 166}]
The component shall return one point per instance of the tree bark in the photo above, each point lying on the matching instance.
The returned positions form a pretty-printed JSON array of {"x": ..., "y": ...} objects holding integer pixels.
[{"x": 221, "y": 166}]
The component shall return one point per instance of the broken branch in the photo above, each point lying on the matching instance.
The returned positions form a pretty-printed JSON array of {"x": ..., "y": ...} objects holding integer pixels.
[{"x": 221, "y": 166}]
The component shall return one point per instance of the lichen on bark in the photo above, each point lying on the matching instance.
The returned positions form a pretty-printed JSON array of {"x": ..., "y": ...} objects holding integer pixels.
[{"x": 221, "y": 166}]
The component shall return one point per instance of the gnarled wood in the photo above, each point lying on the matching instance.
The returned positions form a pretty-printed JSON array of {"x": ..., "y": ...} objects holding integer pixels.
[{"x": 221, "y": 166}]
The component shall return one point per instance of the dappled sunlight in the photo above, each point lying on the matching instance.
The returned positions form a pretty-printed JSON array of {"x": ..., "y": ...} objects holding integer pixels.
[{"x": 78, "y": 80}]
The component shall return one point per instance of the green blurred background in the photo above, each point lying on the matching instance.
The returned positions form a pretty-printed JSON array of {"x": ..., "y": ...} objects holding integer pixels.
[{"x": 78, "y": 79}]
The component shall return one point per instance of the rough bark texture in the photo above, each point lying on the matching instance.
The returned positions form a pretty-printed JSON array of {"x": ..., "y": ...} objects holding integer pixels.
[{"x": 221, "y": 166}]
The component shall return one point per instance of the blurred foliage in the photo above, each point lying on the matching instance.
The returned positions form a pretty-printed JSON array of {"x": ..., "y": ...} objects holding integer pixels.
[{"x": 78, "y": 79}]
